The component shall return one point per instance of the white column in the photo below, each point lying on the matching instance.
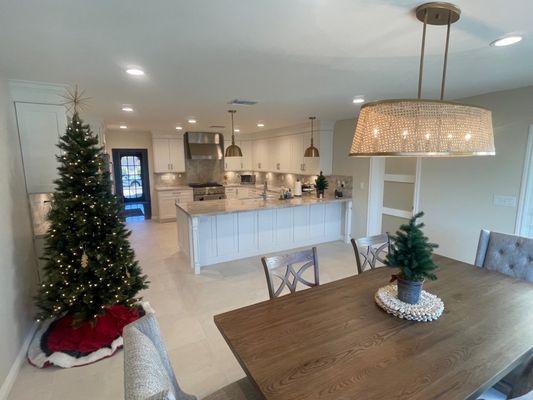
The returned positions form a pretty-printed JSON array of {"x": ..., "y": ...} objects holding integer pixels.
[
  {"x": 195, "y": 245},
  {"x": 347, "y": 221}
]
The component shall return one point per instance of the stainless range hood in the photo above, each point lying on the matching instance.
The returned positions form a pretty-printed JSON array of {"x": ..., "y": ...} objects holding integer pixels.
[{"x": 204, "y": 146}]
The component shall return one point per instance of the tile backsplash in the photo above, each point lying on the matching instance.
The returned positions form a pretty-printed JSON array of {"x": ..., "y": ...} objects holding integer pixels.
[{"x": 275, "y": 179}]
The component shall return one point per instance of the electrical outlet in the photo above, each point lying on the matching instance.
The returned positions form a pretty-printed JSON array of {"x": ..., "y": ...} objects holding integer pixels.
[{"x": 504, "y": 201}]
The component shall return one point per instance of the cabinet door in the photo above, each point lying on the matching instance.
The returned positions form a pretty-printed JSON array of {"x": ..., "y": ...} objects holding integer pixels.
[
  {"x": 297, "y": 154},
  {"x": 176, "y": 155},
  {"x": 247, "y": 155},
  {"x": 167, "y": 208},
  {"x": 40, "y": 126},
  {"x": 284, "y": 149},
  {"x": 258, "y": 149},
  {"x": 161, "y": 155}
]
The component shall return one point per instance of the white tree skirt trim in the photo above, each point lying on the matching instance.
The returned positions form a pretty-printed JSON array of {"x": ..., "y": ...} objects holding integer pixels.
[
  {"x": 39, "y": 359},
  {"x": 429, "y": 308}
]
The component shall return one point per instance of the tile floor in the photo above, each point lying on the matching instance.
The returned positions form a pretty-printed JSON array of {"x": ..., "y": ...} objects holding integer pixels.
[{"x": 185, "y": 305}]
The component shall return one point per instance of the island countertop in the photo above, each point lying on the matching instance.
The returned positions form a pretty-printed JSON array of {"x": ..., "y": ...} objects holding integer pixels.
[{"x": 214, "y": 207}]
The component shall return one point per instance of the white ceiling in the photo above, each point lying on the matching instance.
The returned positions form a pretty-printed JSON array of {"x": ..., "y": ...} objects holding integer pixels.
[{"x": 296, "y": 57}]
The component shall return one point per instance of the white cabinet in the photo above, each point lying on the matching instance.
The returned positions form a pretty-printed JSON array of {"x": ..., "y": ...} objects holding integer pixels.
[
  {"x": 40, "y": 126},
  {"x": 261, "y": 155},
  {"x": 282, "y": 154},
  {"x": 167, "y": 202},
  {"x": 247, "y": 155},
  {"x": 169, "y": 155}
]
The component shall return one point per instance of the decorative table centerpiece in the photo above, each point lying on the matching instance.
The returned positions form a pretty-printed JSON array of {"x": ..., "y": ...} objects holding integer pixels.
[{"x": 411, "y": 252}]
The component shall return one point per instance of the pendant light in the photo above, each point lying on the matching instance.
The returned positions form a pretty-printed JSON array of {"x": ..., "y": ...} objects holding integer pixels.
[
  {"x": 233, "y": 150},
  {"x": 312, "y": 151},
  {"x": 425, "y": 128}
]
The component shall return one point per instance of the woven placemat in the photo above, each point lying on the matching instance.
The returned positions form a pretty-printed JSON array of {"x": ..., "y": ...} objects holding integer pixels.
[{"x": 429, "y": 308}]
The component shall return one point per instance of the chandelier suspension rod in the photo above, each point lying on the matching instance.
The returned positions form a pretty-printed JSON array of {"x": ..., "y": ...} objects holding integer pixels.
[
  {"x": 443, "y": 84},
  {"x": 421, "y": 70}
]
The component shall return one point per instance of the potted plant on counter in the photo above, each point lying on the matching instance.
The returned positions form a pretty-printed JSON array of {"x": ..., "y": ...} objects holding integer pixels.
[
  {"x": 412, "y": 252},
  {"x": 321, "y": 184}
]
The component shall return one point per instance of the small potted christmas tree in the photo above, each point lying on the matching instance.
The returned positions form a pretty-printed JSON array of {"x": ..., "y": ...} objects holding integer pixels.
[
  {"x": 321, "y": 184},
  {"x": 411, "y": 251}
]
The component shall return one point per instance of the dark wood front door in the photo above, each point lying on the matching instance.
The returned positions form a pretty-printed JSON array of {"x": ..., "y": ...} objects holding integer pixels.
[{"x": 132, "y": 183}]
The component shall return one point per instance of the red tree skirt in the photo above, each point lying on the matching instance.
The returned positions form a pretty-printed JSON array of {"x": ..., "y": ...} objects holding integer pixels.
[{"x": 58, "y": 343}]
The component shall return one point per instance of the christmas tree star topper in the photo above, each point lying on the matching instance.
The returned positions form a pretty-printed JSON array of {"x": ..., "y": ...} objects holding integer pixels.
[{"x": 74, "y": 100}]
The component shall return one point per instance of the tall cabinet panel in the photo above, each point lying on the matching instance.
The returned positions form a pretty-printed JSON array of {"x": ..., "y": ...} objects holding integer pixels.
[{"x": 40, "y": 126}]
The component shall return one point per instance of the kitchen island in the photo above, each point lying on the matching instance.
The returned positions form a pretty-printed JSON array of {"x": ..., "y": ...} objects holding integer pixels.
[{"x": 211, "y": 232}]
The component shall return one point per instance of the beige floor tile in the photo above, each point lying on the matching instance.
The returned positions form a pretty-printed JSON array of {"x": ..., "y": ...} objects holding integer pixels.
[{"x": 185, "y": 305}]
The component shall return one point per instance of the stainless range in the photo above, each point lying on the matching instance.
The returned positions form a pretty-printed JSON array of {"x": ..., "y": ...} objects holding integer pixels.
[{"x": 208, "y": 191}]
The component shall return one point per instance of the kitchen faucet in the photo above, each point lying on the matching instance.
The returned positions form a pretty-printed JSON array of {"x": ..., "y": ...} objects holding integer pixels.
[{"x": 265, "y": 189}]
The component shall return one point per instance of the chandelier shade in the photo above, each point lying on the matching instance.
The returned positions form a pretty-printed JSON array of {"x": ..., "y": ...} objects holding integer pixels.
[
  {"x": 416, "y": 127},
  {"x": 312, "y": 151},
  {"x": 420, "y": 127}
]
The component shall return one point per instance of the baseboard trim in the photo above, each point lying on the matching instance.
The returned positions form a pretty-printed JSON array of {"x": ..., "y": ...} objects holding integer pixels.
[{"x": 11, "y": 377}]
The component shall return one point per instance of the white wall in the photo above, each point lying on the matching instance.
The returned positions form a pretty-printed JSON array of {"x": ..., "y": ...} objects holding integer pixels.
[
  {"x": 457, "y": 194},
  {"x": 358, "y": 168},
  {"x": 135, "y": 140},
  {"x": 18, "y": 270}
]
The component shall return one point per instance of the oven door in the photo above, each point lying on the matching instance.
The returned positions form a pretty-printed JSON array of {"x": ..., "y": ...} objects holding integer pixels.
[{"x": 206, "y": 197}]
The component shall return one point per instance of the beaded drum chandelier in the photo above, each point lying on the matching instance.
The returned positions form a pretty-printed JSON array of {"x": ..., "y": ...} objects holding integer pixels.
[{"x": 425, "y": 128}]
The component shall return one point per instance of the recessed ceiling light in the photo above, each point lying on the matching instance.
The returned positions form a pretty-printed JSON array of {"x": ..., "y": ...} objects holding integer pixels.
[
  {"x": 135, "y": 71},
  {"x": 123, "y": 126},
  {"x": 260, "y": 125},
  {"x": 506, "y": 41},
  {"x": 127, "y": 109},
  {"x": 192, "y": 121},
  {"x": 179, "y": 128},
  {"x": 358, "y": 100},
  {"x": 237, "y": 130}
]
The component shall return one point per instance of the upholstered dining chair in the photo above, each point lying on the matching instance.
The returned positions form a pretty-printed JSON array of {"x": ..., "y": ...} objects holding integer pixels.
[
  {"x": 372, "y": 249},
  {"x": 509, "y": 254},
  {"x": 288, "y": 269},
  {"x": 148, "y": 374}
]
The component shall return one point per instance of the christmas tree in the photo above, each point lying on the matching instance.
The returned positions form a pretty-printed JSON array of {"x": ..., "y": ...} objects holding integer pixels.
[
  {"x": 90, "y": 265},
  {"x": 411, "y": 252},
  {"x": 321, "y": 182}
]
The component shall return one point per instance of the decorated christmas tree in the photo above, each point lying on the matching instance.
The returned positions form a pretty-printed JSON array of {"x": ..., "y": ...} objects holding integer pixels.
[
  {"x": 411, "y": 251},
  {"x": 90, "y": 265}
]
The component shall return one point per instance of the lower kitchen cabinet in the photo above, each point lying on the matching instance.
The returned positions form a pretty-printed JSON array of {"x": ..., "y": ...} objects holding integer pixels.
[{"x": 166, "y": 200}]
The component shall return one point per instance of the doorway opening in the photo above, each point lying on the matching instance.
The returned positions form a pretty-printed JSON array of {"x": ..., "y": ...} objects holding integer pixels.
[
  {"x": 524, "y": 218},
  {"x": 132, "y": 183}
]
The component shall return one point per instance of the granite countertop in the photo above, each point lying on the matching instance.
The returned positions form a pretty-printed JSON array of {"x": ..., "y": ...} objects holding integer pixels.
[
  {"x": 214, "y": 207},
  {"x": 176, "y": 187}
]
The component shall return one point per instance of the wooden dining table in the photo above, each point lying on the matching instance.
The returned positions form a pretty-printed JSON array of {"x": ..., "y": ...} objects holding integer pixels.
[{"x": 333, "y": 342}]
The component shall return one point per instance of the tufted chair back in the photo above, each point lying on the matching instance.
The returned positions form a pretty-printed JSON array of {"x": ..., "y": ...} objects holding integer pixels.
[
  {"x": 148, "y": 374},
  {"x": 509, "y": 254}
]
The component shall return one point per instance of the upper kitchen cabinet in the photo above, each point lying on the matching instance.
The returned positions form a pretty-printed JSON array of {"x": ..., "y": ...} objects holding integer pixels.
[
  {"x": 169, "y": 154},
  {"x": 247, "y": 155},
  {"x": 282, "y": 154},
  {"x": 261, "y": 155},
  {"x": 40, "y": 126}
]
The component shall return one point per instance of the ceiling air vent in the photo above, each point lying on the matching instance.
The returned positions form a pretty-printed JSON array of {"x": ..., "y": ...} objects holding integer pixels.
[
  {"x": 243, "y": 102},
  {"x": 217, "y": 127}
]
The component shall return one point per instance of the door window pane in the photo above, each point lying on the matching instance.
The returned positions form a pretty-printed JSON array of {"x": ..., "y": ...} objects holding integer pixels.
[{"x": 132, "y": 187}]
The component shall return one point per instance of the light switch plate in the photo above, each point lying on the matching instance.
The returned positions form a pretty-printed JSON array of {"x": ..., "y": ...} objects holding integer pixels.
[{"x": 504, "y": 201}]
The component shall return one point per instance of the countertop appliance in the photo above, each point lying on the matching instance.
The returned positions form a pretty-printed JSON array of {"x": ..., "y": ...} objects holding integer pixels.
[
  {"x": 248, "y": 179},
  {"x": 208, "y": 191}
]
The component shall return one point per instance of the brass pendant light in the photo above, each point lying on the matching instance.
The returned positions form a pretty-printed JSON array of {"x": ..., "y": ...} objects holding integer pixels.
[
  {"x": 312, "y": 151},
  {"x": 233, "y": 150},
  {"x": 425, "y": 128}
]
